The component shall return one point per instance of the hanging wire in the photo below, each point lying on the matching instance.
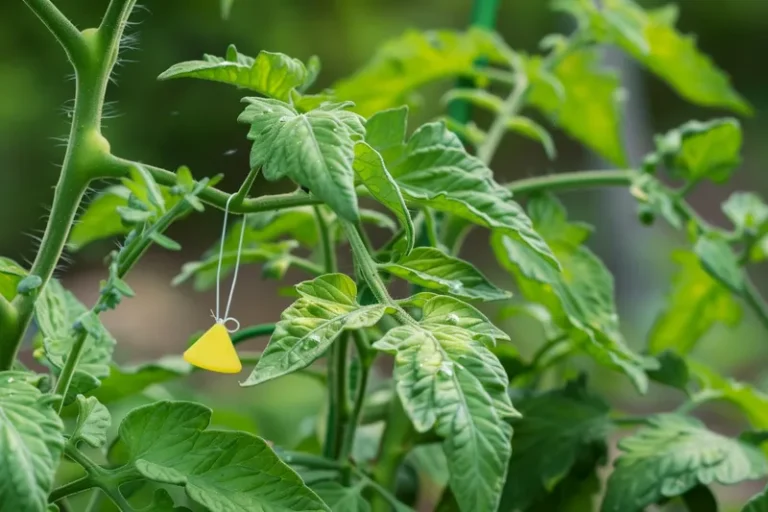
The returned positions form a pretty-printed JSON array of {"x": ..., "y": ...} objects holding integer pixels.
[{"x": 217, "y": 316}]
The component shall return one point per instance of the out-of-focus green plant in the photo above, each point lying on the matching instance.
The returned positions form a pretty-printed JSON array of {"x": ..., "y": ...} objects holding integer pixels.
[{"x": 456, "y": 376}]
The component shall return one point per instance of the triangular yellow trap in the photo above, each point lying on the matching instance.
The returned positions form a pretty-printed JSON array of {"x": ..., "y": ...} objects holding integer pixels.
[{"x": 214, "y": 351}]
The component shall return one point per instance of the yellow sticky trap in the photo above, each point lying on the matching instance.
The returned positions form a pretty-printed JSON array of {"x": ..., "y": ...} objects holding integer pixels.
[{"x": 214, "y": 351}]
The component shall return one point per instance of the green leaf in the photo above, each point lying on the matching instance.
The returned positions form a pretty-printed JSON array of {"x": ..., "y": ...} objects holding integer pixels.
[
  {"x": 581, "y": 297},
  {"x": 385, "y": 131},
  {"x": 673, "y": 371},
  {"x": 164, "y": 241},
  {"x": 533, "y": 130},
  {"x": 752, "y": 402},
  {"x": 99, "y": 220},
  {"x": 342, "y": 499},
  {"x": 56, "y": 312},
  {"x": 449, "y": 381},
  {"x": 11, "y": 274},
  {"x": 583, "y": 99},
  {"x": 557, "y": 429},
  {"x": 433, "y": 269},
  {"x": 326, "y": 307},
  {"x": 273, "y": 75},
  {"x": 31, "y": 442},
  {"x": 698, "y": 150},
  {"x": 719, "y": 261},
  {"x": 673, "y": 454},
  {"x": 695, "y": 304},
  {"x": 757, "y": 503},
  {"x": 434, "y": 170},
  {"x": 413, "y": 60},
  {"x": 222, "y": 471},
  {"x": 162, "y": 502},
  {"x": 93, "y": 421},
  {"x": 125, "y": 381},
  {"x": 315, "y": 149},
  {"x": 653, "y": 41},
  {"x": 371, "y": 170},
  {"x": 747, "y": 211},
  {"x": 441, "y": 310}
]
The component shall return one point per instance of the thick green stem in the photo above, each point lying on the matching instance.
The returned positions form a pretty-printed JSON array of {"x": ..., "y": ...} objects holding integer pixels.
[
  {"x": 338, "y": 410},
  {"x": 62, "y": 29},
  {"x": 69, "y": 192},
  {"x": 93, "y": 54},
  {"x": 337, "y": 355},
  {"x": 396, "y": 442},
  {"x": 511, "y": 107},
  {"x": 361, "y": 343}
]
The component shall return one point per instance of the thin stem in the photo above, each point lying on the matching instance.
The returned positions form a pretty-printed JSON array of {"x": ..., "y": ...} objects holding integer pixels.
[
  {"x": 111, "y": 29},
  {"x": 309, "y": 461},
  {"x": 76, "y": 455},
  {"x": 512, "y": 105},
  {"x": 62, "y": 29},
  {"x": 218, "y": 198},
  {"x": 388, "y": 496},
  {"x": 70, "y": 365},
  {"x": 580, "y": 180},
  {"x": 546, "y": 349},
  {"x": 75, "y": 487},
  {"x": 245, "y": 188},
  {"x": 254, "y": 331},
  {"x": 326, "y": 239},
  {"x": 755, "y": 300},
  {"x": 9, "y": 320}
]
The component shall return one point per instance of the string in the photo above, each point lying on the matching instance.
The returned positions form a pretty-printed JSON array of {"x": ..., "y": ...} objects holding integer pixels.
[{"x": 226, "y": 318}]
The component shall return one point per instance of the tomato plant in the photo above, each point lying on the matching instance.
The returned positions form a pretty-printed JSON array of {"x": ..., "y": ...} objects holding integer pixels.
[{"x": 504, "y": 432}]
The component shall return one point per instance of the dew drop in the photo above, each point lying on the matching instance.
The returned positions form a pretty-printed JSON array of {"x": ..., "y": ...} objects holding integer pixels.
[
  {"x": 446, "y": 369},
  {"x": 312, "y": 342},
  {"x": 10, "y": 379},
  {"x": 230, "y": 152},
  {"x": 453, "y": 319},
  {"x": 456, "y": 287}
]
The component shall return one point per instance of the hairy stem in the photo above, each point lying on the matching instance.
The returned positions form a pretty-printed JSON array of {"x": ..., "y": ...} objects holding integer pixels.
[
  {"x": 93, "y": 54},
  {"x": 62, "y": 29}
]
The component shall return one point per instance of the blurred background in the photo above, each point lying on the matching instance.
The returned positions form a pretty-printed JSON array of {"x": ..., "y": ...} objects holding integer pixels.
[{"x": 194, "y": 123}]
